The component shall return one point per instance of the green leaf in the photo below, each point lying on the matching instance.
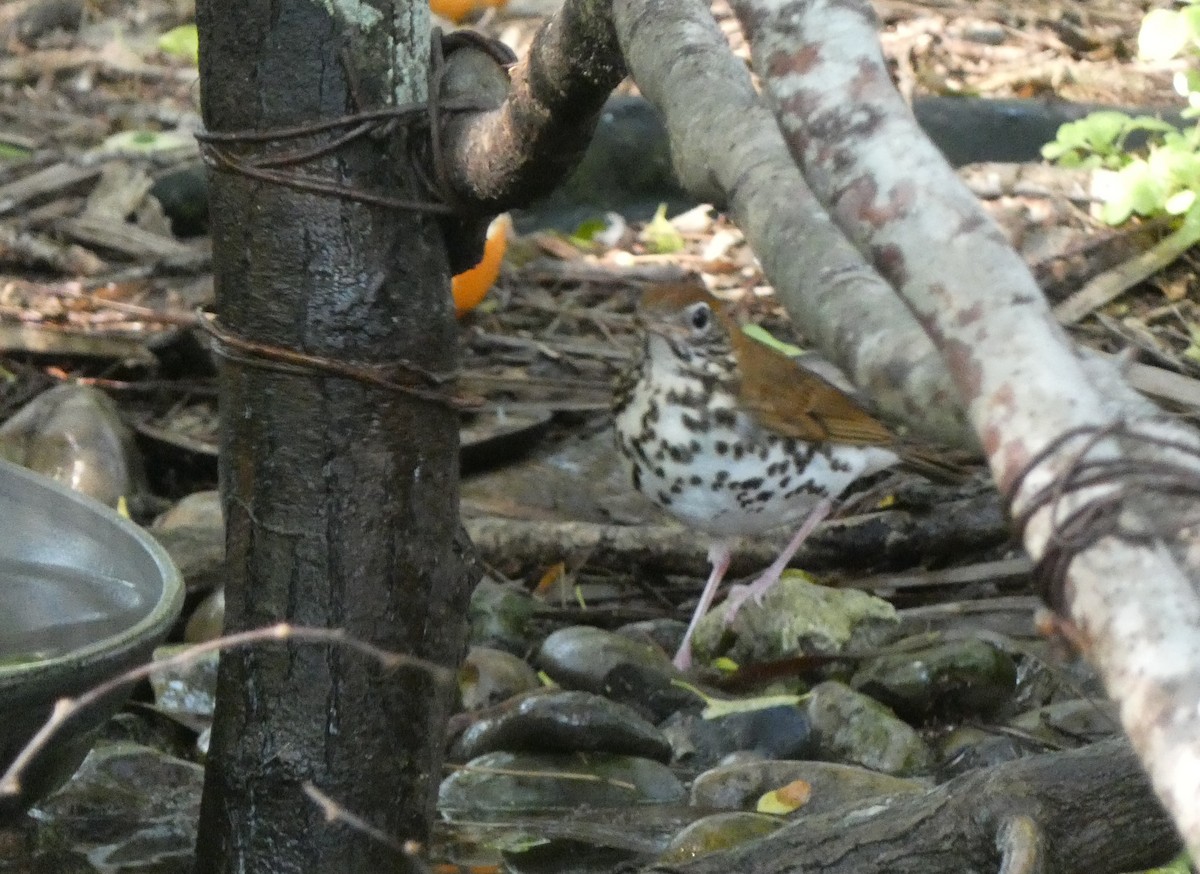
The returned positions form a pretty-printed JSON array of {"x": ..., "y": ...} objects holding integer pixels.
[
  {"x": 759, "y": 333},
  {"x": 584, "y": 235},
  {"x": 1098, "y": 133},
  {"x": 1190, "y": 16},
  {"x": 718, "y": 707},
  {"x": 1163, "y": 35},
  {"x": 1135, "y": 190},
  {"x": 660, "y": 237},
  {"x": 146, "y": 141},
  {"x": 1180, "y": 202},
  {"x": 9, "y": 152},
  {"x": 181, "y": 42}
]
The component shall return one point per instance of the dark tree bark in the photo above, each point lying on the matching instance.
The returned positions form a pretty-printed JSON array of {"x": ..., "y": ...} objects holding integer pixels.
[
  {"x": 341, "y": 497},
  {"x": 1088, "y": 811}
]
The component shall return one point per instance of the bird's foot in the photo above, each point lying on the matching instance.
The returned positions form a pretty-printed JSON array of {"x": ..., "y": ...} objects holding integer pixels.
[
  {"x": 683, "y": 658},
  {"x": 739, "y": 595}
]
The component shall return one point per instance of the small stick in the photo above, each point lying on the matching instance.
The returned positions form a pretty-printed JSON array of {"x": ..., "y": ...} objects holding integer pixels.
[{"x": 65, "y": 708}]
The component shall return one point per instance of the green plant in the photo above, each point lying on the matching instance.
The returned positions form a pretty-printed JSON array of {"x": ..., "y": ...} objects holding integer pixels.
[{"x": 1165, "y": 178}]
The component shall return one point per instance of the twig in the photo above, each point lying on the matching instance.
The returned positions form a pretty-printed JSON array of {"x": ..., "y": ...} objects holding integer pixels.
[
  {"x": 1113, "y": 283},
  {"x": 65, "y": 708},
  {"x": 335, "y": 812}
]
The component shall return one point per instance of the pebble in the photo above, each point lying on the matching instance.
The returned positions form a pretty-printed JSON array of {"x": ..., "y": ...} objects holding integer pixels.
[
  {"x": 501, "y": 784},
  {"x": 563, "y": 722},
  {"x": 796, "y": 616},
  {"x": 851, "y": 728}
]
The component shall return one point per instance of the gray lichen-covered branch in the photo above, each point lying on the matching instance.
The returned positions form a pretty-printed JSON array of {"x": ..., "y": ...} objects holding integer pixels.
[
  {"x": 1131, "y": 569},
  {"x": 727, "y": 148}
]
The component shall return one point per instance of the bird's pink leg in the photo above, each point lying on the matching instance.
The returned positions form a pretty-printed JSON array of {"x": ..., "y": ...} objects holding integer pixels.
[
  {"x": 719, "y": 554},
  {"x": 760, "y": 587}
]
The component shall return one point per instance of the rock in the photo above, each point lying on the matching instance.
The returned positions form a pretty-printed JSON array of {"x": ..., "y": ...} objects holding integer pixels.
[
  {"x": 967, "y": 677},
  {"x": 562, "y": 857},
  {"x": 207, "y": 620},
  {"x": 648, "y": 690},
  {"x": 1054, "y": 726},
  {"x": 502, "y": 785},
  {"x": 128, "y": 808},
  {"x": 664, "y": 633},
  {"x": 189, "y": 690},
  {"x": 199, "y": 553},
  {"x": 1071, "y": 722},
  {"x": 563, "y": 722},
  {"x": 499, "y": 616},
  {"x": 75, "y": 434},
  {"x": 717, "y": 832},
  {"x": 851, "y": 728},
  {"x": 796, "y": 616},
  {"x": 740, "y": 786},
  {"x": 967, "y": 748},
  {"x": 781, "y": 732},
  {"x": 197, "y": 510},
  {"x": 489, "y": 676},
  {"x": 581, "y": 657}
]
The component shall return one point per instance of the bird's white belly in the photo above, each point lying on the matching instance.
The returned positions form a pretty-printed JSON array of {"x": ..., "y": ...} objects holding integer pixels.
[{"x": 718, "y": 470}]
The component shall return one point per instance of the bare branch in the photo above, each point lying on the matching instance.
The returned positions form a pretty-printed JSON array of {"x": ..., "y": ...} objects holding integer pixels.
[
  {"x": 528, "y": 145},
  {"x": 727, "y": 148},
  {"x": 1130, "y": 586},
  {"x": 65, "y": 708}
]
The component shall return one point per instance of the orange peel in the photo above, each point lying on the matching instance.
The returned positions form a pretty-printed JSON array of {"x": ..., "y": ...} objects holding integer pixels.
[
  {"x": 459, "y": 10},
  {"x": 471, "y": 286}
]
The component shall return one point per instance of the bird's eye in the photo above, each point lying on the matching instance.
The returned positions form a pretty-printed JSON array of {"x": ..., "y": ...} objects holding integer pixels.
[{"x": 701, "y": 315}]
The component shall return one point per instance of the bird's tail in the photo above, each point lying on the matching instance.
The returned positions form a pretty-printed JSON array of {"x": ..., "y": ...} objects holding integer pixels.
[{"x": 940, "y": 465}]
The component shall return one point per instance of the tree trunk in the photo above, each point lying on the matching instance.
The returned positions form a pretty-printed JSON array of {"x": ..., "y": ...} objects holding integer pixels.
[{"x": 341, "y": 496}]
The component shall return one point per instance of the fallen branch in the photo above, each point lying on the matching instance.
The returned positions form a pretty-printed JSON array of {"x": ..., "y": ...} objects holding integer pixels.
[
  {"x": 1088, "y": 811},
  {"x": 1106, "y": 495},
  {"x": 727, "y": 149},
  {"x": 893, "y": 538}
]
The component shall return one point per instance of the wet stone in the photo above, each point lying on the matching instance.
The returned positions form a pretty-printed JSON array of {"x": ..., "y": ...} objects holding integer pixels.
[
  {"x": 740, "y": 786},
  {"x": 128, "y": 808},
  {"x": 1071, "y": 722},
  {"x": 75, "y": 434},
  {"x": 648, "y": 690},
  {"x": 500, "y": 617},
  {"x": 796, "y": 616},
  {"x": 189, "y": 690},
  {"x": 1055, "y": 726},
  {"x": 193, "y": 533},
  {"x": 499, "y": 785},
  {"x": 197, "y": 510},
  {"x": 782, "y": 732},
  {"x": 718, "y": 832},
  {"x": 967, "y": 748},
  {"x": 664, "y": 633},
  {"x": 563, "y": 722},
  {"x": 959, "y": 677},
  {"x": 489, "y": 676},
  {"x": 566, "y": 857},
  {"x": 581, "y": 657},
  {"x": 207, "y": 620},
  {"x": 851, "y": 728}
]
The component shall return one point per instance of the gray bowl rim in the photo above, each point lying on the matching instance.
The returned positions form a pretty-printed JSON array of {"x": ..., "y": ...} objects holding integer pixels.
[{"x": 157, "y": 620}]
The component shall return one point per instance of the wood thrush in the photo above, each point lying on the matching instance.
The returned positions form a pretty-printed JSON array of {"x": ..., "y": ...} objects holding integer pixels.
[{"x": 735, "y": 438}]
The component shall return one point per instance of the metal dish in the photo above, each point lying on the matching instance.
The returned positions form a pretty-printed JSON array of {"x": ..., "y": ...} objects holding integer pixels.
[{"x": 84, "y": 595}]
